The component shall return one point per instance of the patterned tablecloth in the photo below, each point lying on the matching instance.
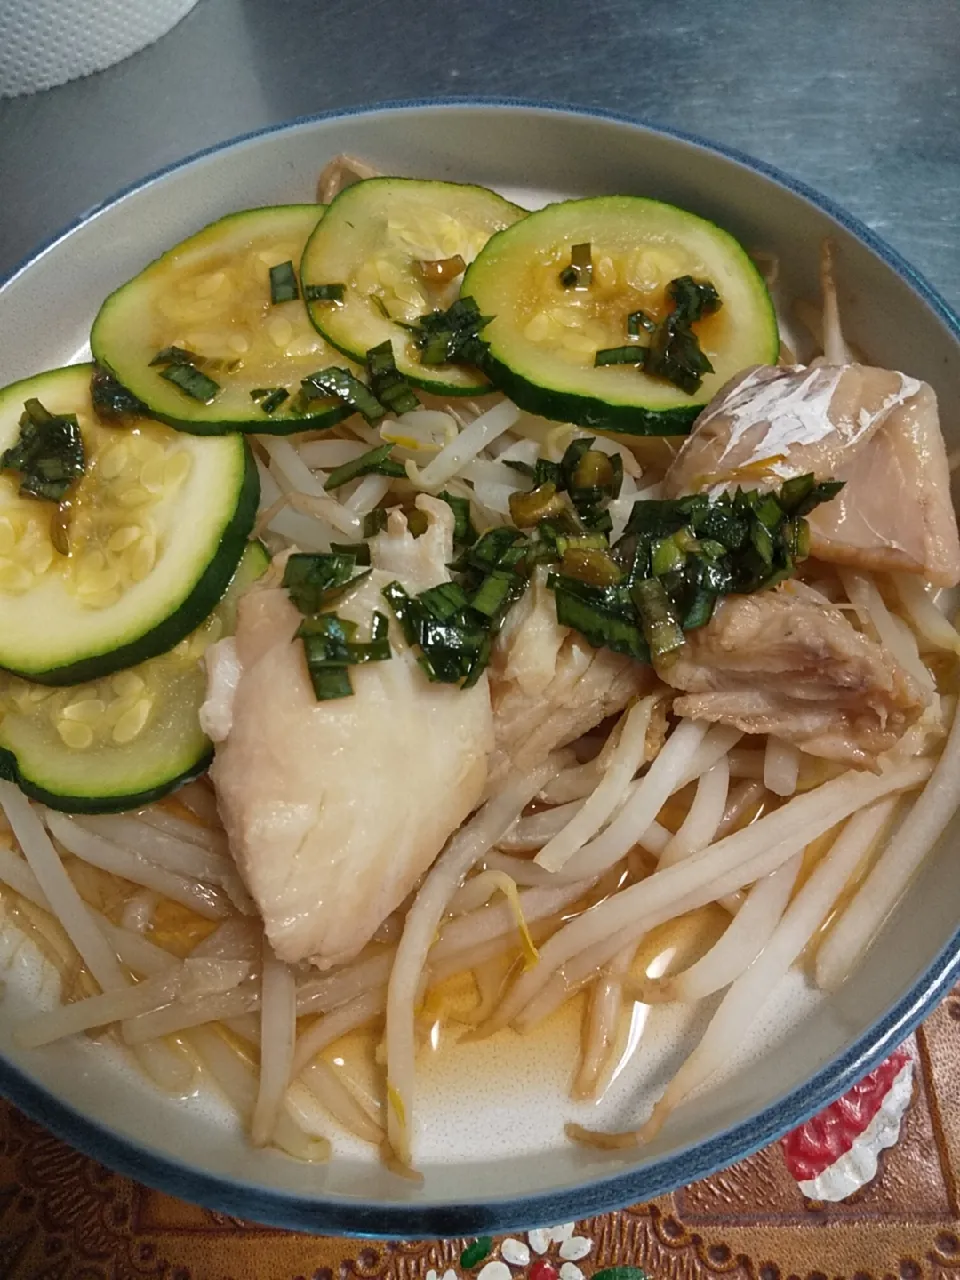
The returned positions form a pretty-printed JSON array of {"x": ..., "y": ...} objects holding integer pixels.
[{"x": 63, "y": 1217}]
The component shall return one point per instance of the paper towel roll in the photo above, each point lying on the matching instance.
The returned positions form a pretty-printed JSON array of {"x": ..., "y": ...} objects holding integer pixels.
[{"x": 47, "y": 42}]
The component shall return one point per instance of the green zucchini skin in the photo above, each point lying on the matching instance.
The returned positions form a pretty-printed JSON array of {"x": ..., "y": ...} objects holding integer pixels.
[
  {"x": 145, "y": 769},
  {"x": 229, "y": 487},
  {"x": 123, "y": 352},
  {"x": 588, "y": 411},
  {"x": 10, "y": 771},
  {"x": 197, "y": 606},
  {"x": 352, "y": 328},
  {"x": 523, "y": 262}
]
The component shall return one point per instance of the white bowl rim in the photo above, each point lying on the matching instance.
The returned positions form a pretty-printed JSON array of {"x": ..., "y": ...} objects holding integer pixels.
[{"x": 420, "y": 1219}]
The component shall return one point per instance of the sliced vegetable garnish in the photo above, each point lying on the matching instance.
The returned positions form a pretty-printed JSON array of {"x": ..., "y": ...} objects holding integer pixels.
[
  {"x": 360, "y": 551},
  {"x": 678, "y": 557},
  {"x": 541, "y": 344},
  {"x": 464, "y": 534},
  {"x": 453, "y": 640},
  {"x": 330, "y": 648},
  {"x": 175, "y": 355},
  {"x": 315, "y": 580},
  {"x": 451, "y": 336},
  {"x": 675, "y": 353},
  {"x": 374, "y": 522},
  {"x": 283, "y": 283},
  {"x": 528, "y": 509},
  {"x": 400, "y": 245},
  {"x": 346, "y": 387},
  {"x": 324, "y": 292},
  {"x": 620, "y": 355},
  {"x": 49, "y": 455},
  {"x": 580, "y": 271},
  {"x": 269, "y": 398},
  {"x": 148, "y": 531},
  {"x": 376, "y": 462},
  {"x": 111, "y": 400},
  {"x": 209, "y": 303},
  {"x": 386, "y": 381},
  {"x": 442, "y": 270},
  {"x": 192, "y": 382}
]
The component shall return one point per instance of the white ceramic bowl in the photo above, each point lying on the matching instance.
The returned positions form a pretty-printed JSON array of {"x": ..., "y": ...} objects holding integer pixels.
[{"x": 493, "y": 1152}]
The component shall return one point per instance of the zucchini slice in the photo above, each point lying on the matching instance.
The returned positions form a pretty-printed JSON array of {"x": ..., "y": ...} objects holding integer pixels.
[
  {"x": 124, "y": 741},
  {"x": 373, "y": 239},
  {"x": 211, "y": 297},
  {"x": 546, "y": 330},
  {"x": 153, "y": 531}
]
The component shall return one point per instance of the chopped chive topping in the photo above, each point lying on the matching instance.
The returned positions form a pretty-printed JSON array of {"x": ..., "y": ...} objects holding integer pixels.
[
  {"x": 359, "y": 550},
  {"x": 451, "y": 336},
  {"x": 639, "y": 322},
  {"x": 376, "y": 462},
  {"x": 386, "y": 381},
  {"x": 283, "y": 283},
  {"x": 620, "y": 355},
  {"x": 270, "y": 398},
  {"x": 48, "y": 456},
  {"x": 316, "y": 580},
  {"x": 374, "y": 522},
  {"x": 345, "y": 386},
  {"x": 476, "y": 1252},
  {"x": 674, "y": 352},
  {"x": 579, "y": 274},
  {"x": 381, "y": 306},
  {"x": 176, "y": 355},
  {"x": 324, "y": 292},
  {"x": 329, "y": 642},
  {"x": 464, "y": 534},
  {"x": 111, "y": 400},
  {"x": 192, "y": 382}
]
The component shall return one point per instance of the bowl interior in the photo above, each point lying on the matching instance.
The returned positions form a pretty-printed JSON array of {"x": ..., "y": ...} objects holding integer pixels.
[{"x": 495, "y": 1154}]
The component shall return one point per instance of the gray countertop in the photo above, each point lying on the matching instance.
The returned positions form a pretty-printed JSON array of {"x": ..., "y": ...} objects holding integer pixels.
[{"x": 858, "y": 97}]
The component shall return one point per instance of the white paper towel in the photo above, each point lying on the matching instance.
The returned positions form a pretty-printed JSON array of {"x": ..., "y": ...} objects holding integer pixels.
[{"x": 46, "y": 42}]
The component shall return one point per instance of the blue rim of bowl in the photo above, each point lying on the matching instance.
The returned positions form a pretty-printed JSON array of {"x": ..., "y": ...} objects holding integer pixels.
[{"x": 382, "y": 1220}]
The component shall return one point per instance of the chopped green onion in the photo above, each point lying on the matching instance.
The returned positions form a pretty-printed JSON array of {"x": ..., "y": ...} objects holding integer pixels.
[
  {"x": 270, "y": 398},
  {"x": 283, "y": 283},
  {"x": 386, "y": 381},
  {"x": 604, "y": 616},
  {"x": 176, "y": 355},
  {"x": 345, "y": 386},
  {"x": 330, "y": 683},
  {"x": 111, "y": 400},
  {"x": 374, "y": 522},
  {"x": 620, "y": 355},
  {"x": 464, "y": 534},
  {"x": 417, "y": 522},
  {"x": 376, "y": 461},
  {"x": 666, "y": 557},
  {"x": 451, "y": 336},
  {"x": 324, "y": 292},
  {"x": 528, "y": 509},
  {"x": 579, "y": 274},
  {"x": 315, "y": 580},
  {"x": 49, "y": 454},
  {"x": 494, "y": 592},
  {"x": 661, "y": 627},
  {"x": 359, "y": 550},
  {"x": 590, "y": 565},
  {"x": 442, "y": 270},
  {"x": 191, "y": 381}
]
